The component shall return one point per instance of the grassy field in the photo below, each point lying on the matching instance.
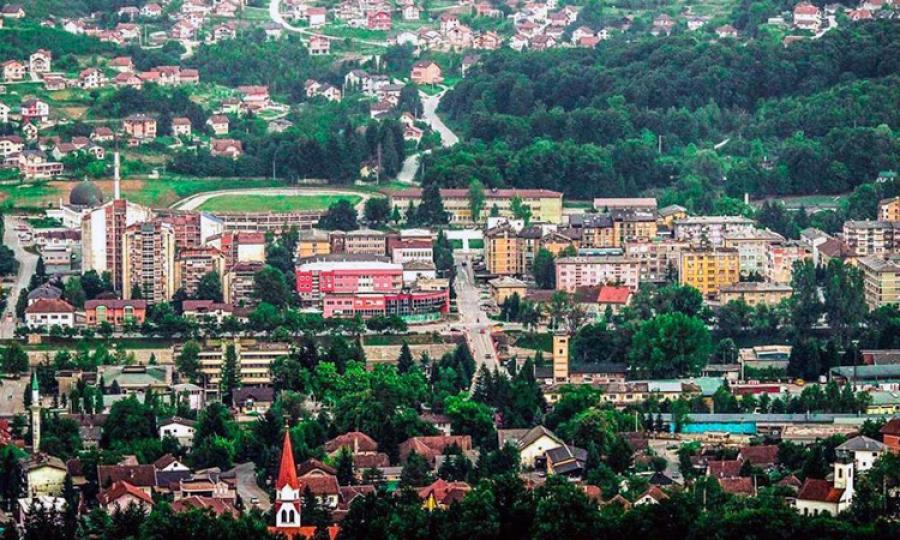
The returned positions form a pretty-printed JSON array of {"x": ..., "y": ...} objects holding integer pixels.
[{"x": 281, "y": 203}]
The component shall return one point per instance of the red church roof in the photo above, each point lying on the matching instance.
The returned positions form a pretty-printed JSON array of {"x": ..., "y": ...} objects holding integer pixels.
[{"x": 287, "y": 473}]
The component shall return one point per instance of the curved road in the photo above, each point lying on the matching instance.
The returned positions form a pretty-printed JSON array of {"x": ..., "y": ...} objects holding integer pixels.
[
  {"x": 430, "y": 104},
  {"x": 27, "y": 265},
  {"x": 196, "y": 201},
  {"x": 277, "y": 17}
]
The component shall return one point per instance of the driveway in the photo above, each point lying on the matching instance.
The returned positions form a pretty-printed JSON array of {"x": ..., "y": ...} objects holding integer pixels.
[
  {"x": 429, "y": 115},
  {"x": 27, "y": 265}
]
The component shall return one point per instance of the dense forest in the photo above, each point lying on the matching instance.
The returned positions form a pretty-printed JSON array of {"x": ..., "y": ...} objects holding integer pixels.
[{"x": 756, "y": 117}]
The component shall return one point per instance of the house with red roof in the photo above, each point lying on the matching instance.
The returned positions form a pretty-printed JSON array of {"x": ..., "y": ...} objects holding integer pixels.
[
  {"x": 890, "y": 435},
  {"x": 122, "y": 495},
  {"x": 441, "y": 494},
  {"x": 49, "y": 312},
  {"x": 818, "y": 497},
  {"x": 613, "y": 297},
  {"x": 764, "y": 455},
  {"x": 433, "y": 446}
]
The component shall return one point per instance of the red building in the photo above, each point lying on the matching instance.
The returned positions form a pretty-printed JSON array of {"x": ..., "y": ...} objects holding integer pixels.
[
  {"x": 116, "y": 312},
  {"x": 378, "y": 20},
  {"x": 323, "y": 276},
  {"x": 402, "y": 304}
]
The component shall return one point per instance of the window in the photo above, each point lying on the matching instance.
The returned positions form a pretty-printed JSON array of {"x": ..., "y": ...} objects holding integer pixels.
[{"x": 101, "y": 314}]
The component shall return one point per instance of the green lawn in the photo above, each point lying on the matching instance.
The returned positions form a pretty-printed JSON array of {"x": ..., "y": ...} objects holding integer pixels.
[
  {"x": 165, "y": 191},
  {"x": 281, "y": 203},
  {"x": 27, "y": 195}
]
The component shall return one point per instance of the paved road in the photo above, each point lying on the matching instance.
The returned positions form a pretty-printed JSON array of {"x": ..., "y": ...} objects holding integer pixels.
[
  {"x": 195, "y": 201},
  {"x": 277, "y": 17},
  {"x": 27, "y": 265},
  {"x": 671, "y": 456},
  {"x": 429, "y": 114},
  {"x": 473, "y": 319},
  {"x": 248, "y": 489}
]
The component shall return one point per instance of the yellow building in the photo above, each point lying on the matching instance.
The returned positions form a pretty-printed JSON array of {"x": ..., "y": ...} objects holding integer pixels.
[
  {"x": 708, "y": 270},
  {"x": 669, "y": 214},
  {"x": 45, "y": 475},
  {"x": 504, "y": 287},
  {"x": 313, "y": 243},
  {"x": 545, "y": 205},
  {"x": 755, "y": 293},
  {"x": 881, "y": 281},
  {"x": 502, "y": 254},
  {"x": 632, "y": 225},
  {"x": 889, "y": 209},
  {"x": 254, "y": 360}
]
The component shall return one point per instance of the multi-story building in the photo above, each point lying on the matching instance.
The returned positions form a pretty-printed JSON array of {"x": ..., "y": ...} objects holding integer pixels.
[
  {"x": 870, "y": 237},
  {"x": 148, "y": 261},
  {"x": 780, "y": 259},
  {"x": 545, "y": 205},
  {"x": 755, "y": 292},
  {"x": 659, "y": 259},
  {"x": 708, "y": 270},
  {"x": 275, "y": 222},
  {"x": 710, "y": 230},
  {"x": 102, "y": 230},
  {"x": 423, "y": 305},
  {"x": 597, "y": 230},
  {"x": 640, "y": 204},
  {"x": 881, "y": 281},
  {"x": 192, "y": 229},
  {"x": 140, "y": 127},
  {"x": 347, "y": 274},
  {"x": 752, "y": 247},
  {"x": 889, "y": 209},
  {"x": 194, "y": 263},
  {"x": 238, "y": 283},
  {"x": 312, "y": 243},
  {"x": 633, "y": 225},
  {"x": 574, "y": 272},
  {"x": 360, "y": 242},
  {"x": 254, "y": 360},
  {"x": 406, "y": 251},
  {"x": 115, "y": 312},
  {"x": 501, "y": 251},
  {"x": 240, "y": 247}
]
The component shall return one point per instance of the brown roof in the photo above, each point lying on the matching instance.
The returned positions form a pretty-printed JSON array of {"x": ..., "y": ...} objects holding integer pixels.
[
  {"x": 819, "y": 490},
  {"x": 892, "y": 427},
  {"x": 431, "y": 447},
  {"x": 445, "y": 492},
  {"x": 320, "y": 485},
  {"x": 312, "y": 465},
  {"x": 355, "y": 441},
  {"x": 120, "y": 489},
  {"x": 762, "y": 455},
  {"x": 50, "y": 305},
  {"x": 368, "y": 461},
  {"x": 730, "y": 468},
  {"x": 737, "y": 486},
  {"x": 219, "y": 507},
  {"x": 137, "y": 475},
  {"x": 114, "y": 303}
]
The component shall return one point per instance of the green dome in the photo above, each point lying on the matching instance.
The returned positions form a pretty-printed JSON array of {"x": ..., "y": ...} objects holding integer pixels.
[{"x": 86, "y": 194}]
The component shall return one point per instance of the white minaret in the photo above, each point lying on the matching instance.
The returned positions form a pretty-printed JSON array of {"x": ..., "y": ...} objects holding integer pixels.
[
  {"x": 116, "y": 177},
  {"x": 35, "y": 414}
]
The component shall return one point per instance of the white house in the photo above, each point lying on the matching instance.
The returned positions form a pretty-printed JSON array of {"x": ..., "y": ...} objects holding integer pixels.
[
  {"x": 864, "y": 450},
  {"x": 532, "y": 443},
  {"x": 818, "y": 497},
  {"x": 179, "y": 428},
  {"x": 46, "y": 313}
]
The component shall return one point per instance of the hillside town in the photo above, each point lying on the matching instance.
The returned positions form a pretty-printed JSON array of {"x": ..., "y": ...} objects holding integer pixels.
[{"x": 340, "y": 269}]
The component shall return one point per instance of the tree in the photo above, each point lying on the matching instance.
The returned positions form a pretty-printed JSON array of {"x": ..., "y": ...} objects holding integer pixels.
[
  {"x": 12, "y": 479},
  {"x": 405, "y": 361},
  {"x": 476, "y": 199},
  {"x": 543, "y": 269},
  {"x": 230, "y": 375},
  {"x": 845, "y": 301},
  {"x": 188, "y": 361},
  {"x": 344, "y": 467},
  {"x": 271, "y": 287},
  {"x": 806, "y": 307},
  {"x": 416, "y": 471},
  {"x": 520, "y": 210},
  {"x": 670, "y": 345},
  {"x": 377, "y": 210},
  {"x": 73, "y": 292},
  {"x": 210, "y": 287},
  {"x": 15, "y": 359},
  {"x": 341, "y": 216},
  {"x": 431, "y": 209},
  {"x": 136, "y": 292},
  {"x": 128, "y": 421}
]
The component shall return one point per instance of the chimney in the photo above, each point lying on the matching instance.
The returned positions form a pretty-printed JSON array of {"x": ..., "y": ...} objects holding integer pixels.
[
  {"x": 116, "y": 191},
  {"x": 560, "y": 357}
]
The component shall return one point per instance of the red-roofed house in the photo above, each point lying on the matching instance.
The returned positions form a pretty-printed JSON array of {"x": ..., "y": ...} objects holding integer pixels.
[
  {"x": 442, "y": 494},
  {"x": 48, "y": 312},
  {"x": 355, "y": 441},
  {"x": 121, "y": 495},
  {"x": 433, "y": 446},
  {"x": 230, "y": 148},
  {"x": 730, "y": 468},
  {"x": 807, "y": 16},
  {"x": 890, "y": 435},
  {"x": 614, "y": 297},
  {"x": 738, "y": 486},
  {"x": 818, "y": 497},
  {"x": 218, "y": 506},
  {"x": 764, "y": 456}
]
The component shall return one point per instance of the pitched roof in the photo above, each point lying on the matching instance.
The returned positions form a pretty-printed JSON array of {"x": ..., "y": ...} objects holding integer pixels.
[
  {"x": 287, "y": 472},
  {"x": 320, "y": 485},
  {"x": 136, "y": 475},
  {"x": 862, "y": 444},
  {"x": 121, "y": 488},
  {"x": 759, "y": 455},
  {"x": 445, "y": 492},
  {"x": 263, "y": 394},
  {"x": 356, "y": 441},
  {"x": 737, "y": 486},
  {"x": 892, "y": 427},
  {"x": 729, "y": 468},
  {"x": 312, "y": 465},
  {"x": 218, "y": 506},
  {"x": 613, "y": 295},
  {"x": 819, "y": 490},
  {"x": 50, "y": 305}
]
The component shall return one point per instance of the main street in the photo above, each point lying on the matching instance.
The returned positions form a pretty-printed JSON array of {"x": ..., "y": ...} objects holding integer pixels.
[
  {"x": 27, "y": 264},
  {"x": 472, "y": 319}
]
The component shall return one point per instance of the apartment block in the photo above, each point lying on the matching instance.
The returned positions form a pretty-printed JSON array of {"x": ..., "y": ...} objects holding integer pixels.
[
  {"x": 239, "y": 283},
  {"x": 753, "y": 248},
  {"x": 710, "y": 231},
  {"x": 870, "y": 237},
  {"x": 149, "y": 261},
  {"x": 313, "y": 243},
  {"x": 574, "y": 272},
  {"x": 780, "y": 260},
  {"x": 708, "y": 270},
  {"x": 658, "y": 258},
  {"x": 102, "y": 230},
  {"x": 545, "y": 205},
  {"x": 192, "y": 264},
  {"x": 889, "y": 209},
  {"x": 254, "y": 360},
  {"x": 361, "y": 242},
  {"x": 754, "y": 293},
  {"x": 337, "y": 274},
  {"x": 881, "y": 281},
  {"x": 501, "y": 251}
]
